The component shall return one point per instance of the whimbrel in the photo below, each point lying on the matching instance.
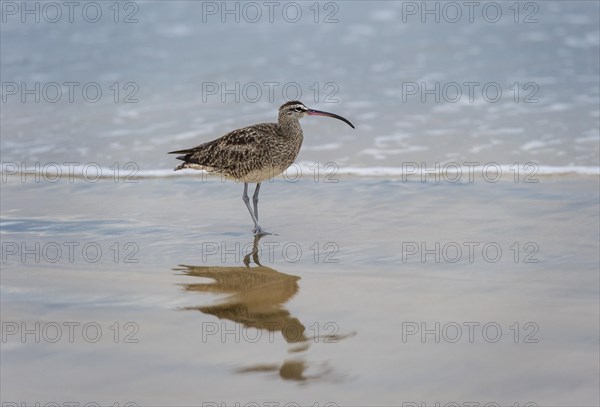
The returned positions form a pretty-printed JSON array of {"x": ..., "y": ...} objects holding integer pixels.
[{"x": 254, "y": 153}]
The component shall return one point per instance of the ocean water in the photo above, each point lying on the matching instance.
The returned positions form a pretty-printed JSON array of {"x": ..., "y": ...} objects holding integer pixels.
[{"x": 500, "y": 83}]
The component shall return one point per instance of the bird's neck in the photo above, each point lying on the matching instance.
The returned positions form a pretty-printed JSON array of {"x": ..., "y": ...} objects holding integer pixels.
[{"x": 290, "y": 127}]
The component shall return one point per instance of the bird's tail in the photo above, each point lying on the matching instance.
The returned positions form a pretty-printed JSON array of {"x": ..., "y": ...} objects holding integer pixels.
[
  {"x": 187, "y": 151},
  {"x": 182, "y": 158},
  {"x": 192, "y": 158}
]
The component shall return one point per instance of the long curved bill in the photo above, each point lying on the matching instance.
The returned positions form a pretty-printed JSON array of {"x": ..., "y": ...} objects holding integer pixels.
[{"x": 312, "y": 112}]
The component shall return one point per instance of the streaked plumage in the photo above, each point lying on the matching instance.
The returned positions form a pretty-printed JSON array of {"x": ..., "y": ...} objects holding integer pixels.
[
  {"x": 250, "y": 154},
  {"x": 254, "y": 153}
]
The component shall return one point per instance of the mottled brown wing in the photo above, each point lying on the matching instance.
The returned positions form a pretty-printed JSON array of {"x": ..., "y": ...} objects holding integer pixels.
[{"x": 235, "y": 154}]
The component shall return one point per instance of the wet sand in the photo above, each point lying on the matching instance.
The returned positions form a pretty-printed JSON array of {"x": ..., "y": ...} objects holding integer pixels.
[{"x": 374, "y": 292}]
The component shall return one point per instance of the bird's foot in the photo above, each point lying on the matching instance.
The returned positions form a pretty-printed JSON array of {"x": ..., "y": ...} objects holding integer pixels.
[{"x": 258, "y": 231}]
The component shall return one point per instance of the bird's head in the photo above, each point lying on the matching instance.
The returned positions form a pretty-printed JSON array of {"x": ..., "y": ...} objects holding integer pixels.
[{"x": 296, "y": 110}]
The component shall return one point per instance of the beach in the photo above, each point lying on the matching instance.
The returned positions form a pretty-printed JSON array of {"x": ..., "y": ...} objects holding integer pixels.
[{"x": 375, "y": 280}]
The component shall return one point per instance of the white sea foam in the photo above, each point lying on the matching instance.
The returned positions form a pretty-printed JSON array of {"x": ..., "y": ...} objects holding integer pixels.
[
  {"x": 477, "y": 149},
  {"x": 41, "y": 149},
  {"x": 395, "y": 139},
  {"x": 532, "y": 145},
  {"x": 304, "y": 167},
  {"x": 558, "y": 107},
  {"x": 399, "y": 171},
  {"x": 382, "y": 153},
  {"x": 323, "y": 147},
  {"x": 539, "y": 144}
]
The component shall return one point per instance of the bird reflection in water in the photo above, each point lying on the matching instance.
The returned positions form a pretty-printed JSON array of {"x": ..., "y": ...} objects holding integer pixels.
[{"x": 256, "y": 299}]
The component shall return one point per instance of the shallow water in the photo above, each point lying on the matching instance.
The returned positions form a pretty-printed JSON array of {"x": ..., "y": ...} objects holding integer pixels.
[
  {"x": 123, "y": 281},
  {"x": 335, "y": 312}
]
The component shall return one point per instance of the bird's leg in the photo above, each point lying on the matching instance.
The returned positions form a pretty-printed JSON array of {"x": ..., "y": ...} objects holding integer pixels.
[
  {"x": 246, "y": 200},
  {"x": 255, "y": 200},
  {"x": 257, "y": 229}
]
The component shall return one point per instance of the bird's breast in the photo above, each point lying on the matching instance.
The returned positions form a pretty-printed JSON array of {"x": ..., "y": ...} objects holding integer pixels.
[{"x": 263, "y": 174}]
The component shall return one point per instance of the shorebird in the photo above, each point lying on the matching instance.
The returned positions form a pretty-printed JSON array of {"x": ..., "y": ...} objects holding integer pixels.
[{"x": 255, "y": 153}]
